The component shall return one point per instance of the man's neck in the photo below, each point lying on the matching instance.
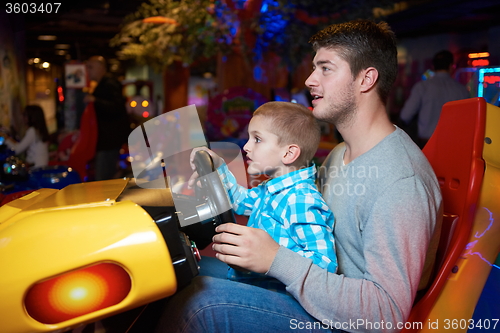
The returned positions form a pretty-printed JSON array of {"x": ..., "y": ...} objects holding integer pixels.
[{"x": 365, "y": 131}]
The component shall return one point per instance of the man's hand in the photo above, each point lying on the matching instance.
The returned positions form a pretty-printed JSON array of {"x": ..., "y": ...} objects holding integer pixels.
[
  {"x": 215, "y": 158},
  {"x": 249, "y": 248}
]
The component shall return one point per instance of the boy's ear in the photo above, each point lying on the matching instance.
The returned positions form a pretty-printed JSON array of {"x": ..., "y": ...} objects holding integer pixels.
[{"x": 291, "y": 154}]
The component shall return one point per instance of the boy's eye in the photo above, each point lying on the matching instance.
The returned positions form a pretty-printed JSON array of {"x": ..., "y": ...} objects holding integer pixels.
[{"x": 257, "y": 139}]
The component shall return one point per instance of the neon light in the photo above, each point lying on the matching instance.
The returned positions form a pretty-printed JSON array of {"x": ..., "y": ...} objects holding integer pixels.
[
  {"x": 480, "y": 86},
  {"x": 480, "y": 62},
  {"x": 479, "y": 55},
  {"x": 492, "y": 79},
  {"x": 145, "y": 114},
  {"x": 480, "y": 257},
  {"x": 471, "y": 245},
  {"x": 489, "y": 225}
]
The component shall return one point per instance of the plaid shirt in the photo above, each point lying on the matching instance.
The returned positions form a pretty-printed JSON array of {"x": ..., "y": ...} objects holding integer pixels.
[{"x": 291, "y": 209}]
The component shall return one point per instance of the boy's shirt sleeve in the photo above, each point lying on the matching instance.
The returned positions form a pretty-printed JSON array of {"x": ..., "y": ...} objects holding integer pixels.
[
  {"x": 310, "y": 226},
  {"x": 242, "y": 199}
]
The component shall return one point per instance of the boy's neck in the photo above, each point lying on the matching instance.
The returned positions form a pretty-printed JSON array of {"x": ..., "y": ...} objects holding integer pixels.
[{"x": 283, "y": 170}]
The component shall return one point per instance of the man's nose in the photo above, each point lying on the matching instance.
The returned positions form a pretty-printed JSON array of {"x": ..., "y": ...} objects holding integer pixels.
[{"x": 311, "y": 80}]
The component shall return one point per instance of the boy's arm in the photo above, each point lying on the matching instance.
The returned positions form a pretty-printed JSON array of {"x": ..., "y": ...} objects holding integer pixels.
[
  {"x": 311, "y": 227},
  {"x": 242, "y": 199}
]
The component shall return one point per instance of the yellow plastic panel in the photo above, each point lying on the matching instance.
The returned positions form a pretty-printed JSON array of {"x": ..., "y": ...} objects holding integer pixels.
[
  {"x": 456, "y": 304},
  {"x": 10, "y": 209},
  {"x": 92, "y": 193},
  {"x": 47, "y": 243}
]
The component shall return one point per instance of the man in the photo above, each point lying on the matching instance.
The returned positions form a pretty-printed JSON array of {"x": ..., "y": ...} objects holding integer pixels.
[
  {"x": 384, "y": 196},
  {"x": 428, "y": 97},
  {"x": 112, "y": 119}
]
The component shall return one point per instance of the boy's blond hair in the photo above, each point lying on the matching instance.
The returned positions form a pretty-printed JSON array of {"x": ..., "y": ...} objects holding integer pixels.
[{"x": 293, "y": 124}]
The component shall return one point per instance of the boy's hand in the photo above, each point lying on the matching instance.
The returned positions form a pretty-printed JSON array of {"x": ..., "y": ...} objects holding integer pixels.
[
  {"x": 215, "y": 158},
  {"x": 245, "y": 247}
]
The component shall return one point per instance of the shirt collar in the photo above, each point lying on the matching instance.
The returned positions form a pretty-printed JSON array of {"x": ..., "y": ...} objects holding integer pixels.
[{"x": 290, "y": 179}]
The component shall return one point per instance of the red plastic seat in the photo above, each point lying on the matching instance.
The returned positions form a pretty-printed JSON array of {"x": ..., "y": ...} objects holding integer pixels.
[
  {"x": 83, "y": 151},
  {"x": 455, "y": 153}
]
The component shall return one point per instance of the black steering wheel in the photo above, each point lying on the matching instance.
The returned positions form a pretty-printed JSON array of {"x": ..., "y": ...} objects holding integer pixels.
[{"x": 213, "y": 205}]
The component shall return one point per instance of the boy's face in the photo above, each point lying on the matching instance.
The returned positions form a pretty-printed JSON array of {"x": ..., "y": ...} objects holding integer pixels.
[
  {"x": 332, "y": 87},
  {"x": 263, "y": 152}
]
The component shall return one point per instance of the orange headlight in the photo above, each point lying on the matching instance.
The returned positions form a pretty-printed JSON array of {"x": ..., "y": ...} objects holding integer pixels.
[{"x": 78, "y": 292}]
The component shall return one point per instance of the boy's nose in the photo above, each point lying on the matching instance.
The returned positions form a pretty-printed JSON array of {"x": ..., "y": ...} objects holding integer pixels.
[{"x": 246, "y": 148}]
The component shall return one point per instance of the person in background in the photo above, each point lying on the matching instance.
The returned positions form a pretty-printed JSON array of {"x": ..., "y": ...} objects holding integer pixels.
[
  {"x": 36, "y": 139},
  {"x": 428, "y": 97},
  {"x": 112, "y": 119}
]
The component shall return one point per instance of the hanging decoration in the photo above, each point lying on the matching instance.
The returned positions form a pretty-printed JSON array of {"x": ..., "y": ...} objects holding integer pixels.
[
  {"x": 285, "y": 26},
  {"x": 164, "y": 31},
  {"x": 161, "y": 32}
]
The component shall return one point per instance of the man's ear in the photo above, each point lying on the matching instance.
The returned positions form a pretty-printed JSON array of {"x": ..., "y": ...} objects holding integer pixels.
[
  {"x": 368, "y": 79},
  {"x": 291, "y": 154}
]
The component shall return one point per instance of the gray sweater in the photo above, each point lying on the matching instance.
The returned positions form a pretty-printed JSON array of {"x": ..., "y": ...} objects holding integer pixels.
[{"x": 387, "y": 206}]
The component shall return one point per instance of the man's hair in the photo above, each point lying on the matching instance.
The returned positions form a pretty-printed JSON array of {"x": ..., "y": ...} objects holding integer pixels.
[
  {"x": 99, "y": 59},
  {"x": 363, "y": 44},
  {"x": 442, "y": 60},
  {"x": 293, "y": 124}
]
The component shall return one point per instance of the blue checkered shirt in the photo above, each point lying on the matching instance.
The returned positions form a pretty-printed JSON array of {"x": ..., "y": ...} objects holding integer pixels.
[{"x": 291, "y": 209}]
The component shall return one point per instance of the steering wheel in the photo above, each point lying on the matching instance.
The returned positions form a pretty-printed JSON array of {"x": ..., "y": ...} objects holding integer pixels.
[{"x": 213, "y": 206}]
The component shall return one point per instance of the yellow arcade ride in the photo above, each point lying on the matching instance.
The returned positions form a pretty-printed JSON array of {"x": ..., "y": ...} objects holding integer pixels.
[{"x": 91, "y": 250}]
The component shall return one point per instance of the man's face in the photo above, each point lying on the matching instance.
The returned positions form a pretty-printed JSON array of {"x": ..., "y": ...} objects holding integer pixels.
[
  {"x": 95, "y": 70},
  {"x": 332, "y": 88}
]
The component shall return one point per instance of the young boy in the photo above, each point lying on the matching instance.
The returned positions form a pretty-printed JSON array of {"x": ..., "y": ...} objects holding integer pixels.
[{"x": 283, "y": 138}]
